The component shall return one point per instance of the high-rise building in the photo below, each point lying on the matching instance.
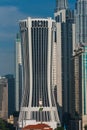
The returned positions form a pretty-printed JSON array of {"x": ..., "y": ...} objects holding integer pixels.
[
  {"x": 11, "y": 93},
  {"x": 61, "y": 5},
  {"x": 81, "y": 23},
  {"x": 80, "y": 88},
  {"x": 3, "y": 98},
  {"x": 38, "y": 103},
  {"x": 65, "y": 25},
  {"x": 18, "y": 75}
]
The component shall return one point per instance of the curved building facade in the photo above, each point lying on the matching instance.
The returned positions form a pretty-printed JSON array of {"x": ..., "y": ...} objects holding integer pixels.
[{"x": 38, "y": 103}]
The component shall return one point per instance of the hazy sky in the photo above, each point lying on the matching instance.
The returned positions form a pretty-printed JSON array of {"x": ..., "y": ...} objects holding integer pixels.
[{"x": 11, "y": 11}]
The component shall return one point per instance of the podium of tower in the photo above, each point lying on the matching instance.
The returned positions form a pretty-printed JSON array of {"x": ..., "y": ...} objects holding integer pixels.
[{"x": 38, "y": 102}]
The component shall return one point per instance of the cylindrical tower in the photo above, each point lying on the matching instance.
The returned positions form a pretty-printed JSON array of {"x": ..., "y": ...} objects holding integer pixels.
[{"x": 38, "y": 103}]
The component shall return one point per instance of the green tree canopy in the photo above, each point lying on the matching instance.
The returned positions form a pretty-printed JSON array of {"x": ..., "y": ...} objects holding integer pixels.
[
  {"x": 85, "y": 127},
  {"x": 3, "y": 125},
  {"x": 59, "y": 128}
]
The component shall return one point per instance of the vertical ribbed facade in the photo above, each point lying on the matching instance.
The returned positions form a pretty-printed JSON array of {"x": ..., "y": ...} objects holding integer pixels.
[
  {"x": 39, "y": 63},
  {"x": 37, "y": 48},
  {"x": 81, "y": 21}
]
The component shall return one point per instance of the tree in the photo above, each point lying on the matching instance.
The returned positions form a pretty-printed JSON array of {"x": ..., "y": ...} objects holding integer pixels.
[
  {"x": 59, "y": 128},
  {"x": 6, "y": 126},
  {"x": 85, "y": 127},
  {"x": 3, "y": 125}
]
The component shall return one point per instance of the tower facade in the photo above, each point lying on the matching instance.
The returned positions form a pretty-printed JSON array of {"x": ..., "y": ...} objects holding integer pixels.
[
  {"x": 80, "y": 63},
  {"x": 61, "y": 4},
  {"x": 18, "y": 75},
  {"x": 81, "y": 23},
  {"x": 38, "y": 103},
  {"x": 65, "y": 25}
]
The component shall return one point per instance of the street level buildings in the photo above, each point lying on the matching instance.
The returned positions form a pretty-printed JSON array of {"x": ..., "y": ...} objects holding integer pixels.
[{"x": 38, "y": 103}]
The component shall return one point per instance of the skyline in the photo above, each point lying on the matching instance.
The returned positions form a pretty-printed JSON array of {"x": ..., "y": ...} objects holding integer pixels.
[{"x": 10, "y": 14}]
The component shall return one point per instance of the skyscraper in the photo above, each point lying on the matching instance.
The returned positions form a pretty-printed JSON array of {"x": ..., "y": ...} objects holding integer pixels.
[
  {"x": 38, "y": 103},
  {"x": 18, "y": 76},
  {"x": 81, "y": 22},
  {"x": 61, "y": 4},
  {"x": 64, "y": 24},
  {"x": 80, "y": 88}
]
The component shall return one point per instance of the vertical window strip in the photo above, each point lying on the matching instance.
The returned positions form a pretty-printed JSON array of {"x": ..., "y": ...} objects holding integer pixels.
[
  {"x": 43, "y": 64},
  {"x": 38, "y": 68}
]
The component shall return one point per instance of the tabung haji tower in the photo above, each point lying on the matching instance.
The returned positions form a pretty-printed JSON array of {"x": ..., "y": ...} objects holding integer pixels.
[{"x": 38, "y": 102}]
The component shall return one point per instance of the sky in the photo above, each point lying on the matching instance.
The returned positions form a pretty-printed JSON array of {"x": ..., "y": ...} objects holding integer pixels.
[{"x": 11, "y": 11}]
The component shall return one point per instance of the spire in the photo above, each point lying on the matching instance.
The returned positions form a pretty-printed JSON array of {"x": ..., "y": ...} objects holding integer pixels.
[{"x": 61, "y": 4}]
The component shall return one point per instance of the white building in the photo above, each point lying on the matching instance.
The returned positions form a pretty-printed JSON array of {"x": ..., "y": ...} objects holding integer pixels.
[{"x": 38, "y": 103}]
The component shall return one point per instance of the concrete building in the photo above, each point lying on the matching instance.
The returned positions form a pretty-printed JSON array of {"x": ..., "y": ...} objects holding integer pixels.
[
  {"x": 11, "y": 93},
  {"x": 65, "y": 37},
  {"x": 38, "y": 103},
  {"x": 18, "y": 75},
  {"x": 3, "y": 98}
]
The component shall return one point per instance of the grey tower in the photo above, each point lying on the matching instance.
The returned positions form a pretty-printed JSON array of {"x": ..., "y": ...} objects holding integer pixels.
[
  {"x": 64, "y": 23},
  {"x": 81, "y": 21},
  {"x": 61, "y": 4},
  {"x": 80, "y": 89}
]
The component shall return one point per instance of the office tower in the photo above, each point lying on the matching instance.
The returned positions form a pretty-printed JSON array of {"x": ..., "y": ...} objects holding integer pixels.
[
  {"x": 65, "y": 25},
  {"x": 3, "y": 98},
  {"x": 38, "y": 103},
  {"x": 81, "y": 23},
  {"x": 80, "y": 88},
  {"x": 18, "y": 80},
  {"x": 11, "y": 93},
  {"x": 61, "y": 5}
]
